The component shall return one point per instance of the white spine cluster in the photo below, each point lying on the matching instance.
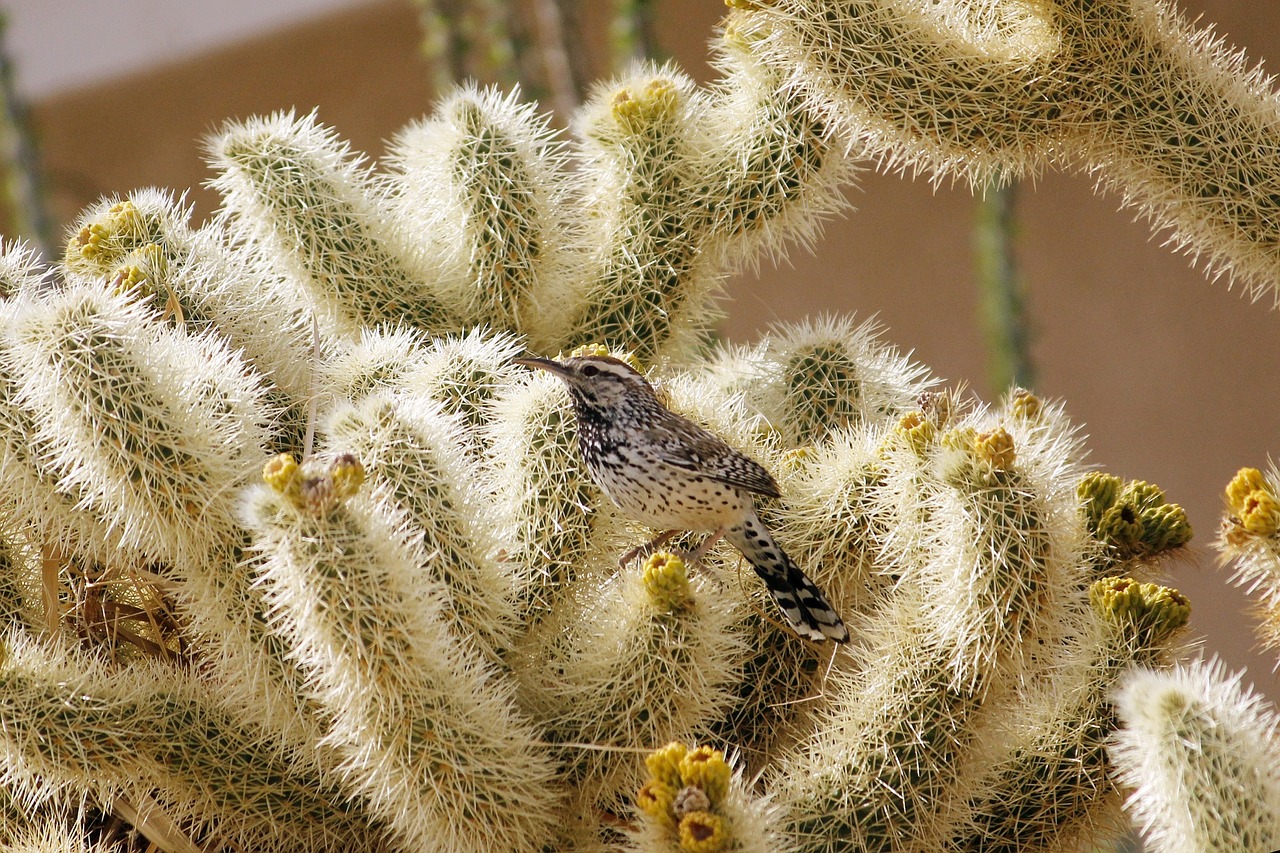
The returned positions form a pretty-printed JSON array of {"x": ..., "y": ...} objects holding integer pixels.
[{"x": 1201, "y": 755}]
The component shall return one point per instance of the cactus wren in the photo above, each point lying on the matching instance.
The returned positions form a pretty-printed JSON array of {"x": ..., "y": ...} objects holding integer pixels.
[{"x": 670, "y": 474}]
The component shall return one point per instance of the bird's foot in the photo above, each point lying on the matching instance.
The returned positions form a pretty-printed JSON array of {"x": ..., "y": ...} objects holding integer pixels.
[
  {"x": 643, "y": 552},
  {"x": 692, "y": 559}
]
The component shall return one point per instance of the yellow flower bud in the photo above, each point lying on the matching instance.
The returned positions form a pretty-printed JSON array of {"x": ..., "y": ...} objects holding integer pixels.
[
  {"x": 347, "y": 474},
  {"x": 1121, "y": 528},
  {"x": 960, "y": 438},
  {"x": 1246, "y": 482},
  {"x": 702, "y": 832},
  {"x": 664, "y": 764},
  {"x": 657, "y": 102},
  {"x": 918, "y": 430},
  {"x": 1142, "y": 494},
  {"x": 666, "y": 579},
  {"x": 279, "y": 472},
  {"x": 995, "y": 448},
  {"x": 706, "y": 768},
  {"x": 1097, "y": 493},
  {"x": 1024, "y": 405},
  {"x": 1260, "y": 513},
  {"x": 1165, "y": 527},
  {"x": 655, "y": 799}
]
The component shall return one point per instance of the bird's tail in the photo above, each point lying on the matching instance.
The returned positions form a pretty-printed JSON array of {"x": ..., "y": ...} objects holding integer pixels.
[{"x": 802, "y": 604}]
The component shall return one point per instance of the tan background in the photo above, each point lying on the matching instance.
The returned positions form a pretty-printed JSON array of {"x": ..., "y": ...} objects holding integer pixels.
[{"x": 1173, "y": 377}]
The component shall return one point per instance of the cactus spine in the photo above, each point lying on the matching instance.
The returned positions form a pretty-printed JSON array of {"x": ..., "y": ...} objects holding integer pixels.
[
  {"x": 303, "y": 197},
  {"x": 156, "y": 729},
  {"x": 414, "y": 452},
  {"x": 1055, "y": 789},
  {"x": 880, "y": 769}
]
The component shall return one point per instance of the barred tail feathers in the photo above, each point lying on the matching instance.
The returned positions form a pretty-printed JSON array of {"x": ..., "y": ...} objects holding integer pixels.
[{"x": 803, "y": 605}]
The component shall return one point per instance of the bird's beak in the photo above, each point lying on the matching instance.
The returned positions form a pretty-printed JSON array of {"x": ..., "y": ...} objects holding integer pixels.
[{"x": 544, "y": 364}]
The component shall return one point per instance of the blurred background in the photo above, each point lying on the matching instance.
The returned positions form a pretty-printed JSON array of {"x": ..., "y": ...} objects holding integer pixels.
[{"x": 1172, "y": 377}]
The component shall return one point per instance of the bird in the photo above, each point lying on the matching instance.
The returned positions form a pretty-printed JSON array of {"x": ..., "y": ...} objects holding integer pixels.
[{"x": 668, "y": 473}]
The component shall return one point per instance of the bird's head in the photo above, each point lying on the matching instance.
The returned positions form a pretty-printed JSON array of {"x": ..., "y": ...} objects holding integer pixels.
[{"x": 596, "y": 381}]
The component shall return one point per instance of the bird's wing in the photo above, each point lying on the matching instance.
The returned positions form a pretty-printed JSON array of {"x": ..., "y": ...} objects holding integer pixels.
[{"x": 689, "y": 446}]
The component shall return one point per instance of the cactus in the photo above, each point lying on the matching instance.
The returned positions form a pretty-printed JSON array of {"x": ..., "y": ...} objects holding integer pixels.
[
  {"x": 693, "y": 802},
  {"x": 483, "y": 180},
  {"x": 415, "y": 452},
  {"x": 151, "y": 728},
  {"x": 1055, "y": 790},
  {"x": 1166, "y": 115},
  {"x": 975, "y": 590},
  {"x": 301, "y": 196},
  {"x": 640, "y": 658},
  {"x": 145, "y": 241},
  {"x": 423, "y": 734},
  {"x": 1197, "y": 729},
  {"x": 292, "y": 556},
  {"x": 1250, "y": 535},
  {"x": 1132, "y": 521}
]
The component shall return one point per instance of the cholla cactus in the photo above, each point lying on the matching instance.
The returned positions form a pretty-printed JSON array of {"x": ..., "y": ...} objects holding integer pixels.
[
  {"x": 155, "y": 731},
  {"x": 1250, "y": 535},
  {"x": 639, "y": 658},
  {"x": 993, "y": 570},
  {"x": 1202, "y": 755},
  {"x": 438, "y": 750},
  {"x": 1053, "y": 790},
  {"x": 1198, "y": 750},
  {"x": 1168, "y": 116},
  {"x": 693, "y": 802},
  {"x": 340, "y": 579}
]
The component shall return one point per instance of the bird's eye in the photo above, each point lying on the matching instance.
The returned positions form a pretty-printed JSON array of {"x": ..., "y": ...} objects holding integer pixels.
[{"x": 590, "y": 370}]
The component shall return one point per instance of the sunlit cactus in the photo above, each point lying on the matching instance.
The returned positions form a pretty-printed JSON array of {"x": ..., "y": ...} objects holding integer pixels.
[
  {"x": 1043, "y": 782},
  {"x": 1250, "y": 537},
  {"x": 772, "y": 167},
  {"x": 482, "y": 181},
  {"x": 305, "y": 199},
  {"x": 32, "y": 493},
  {"x": 641, "y": 658},
  {"x": 425, "y": 730},
  {"x": 647, "y": 279},
  {"x": 144, "y": 243},
  {"x": 154, "y": 731},
  {"x": 543, "y": 493},
  {"x": 992, "y": 576},
  {"x": 294, "y": 557},
  {"x": 414, "y": 450},
  {"x": 465, "y": 374},
  {"x": 1168, "y": 116},
  {"x": 1201, "y": 754},
  {"x": 815, "y": 378},
  {"x": 53, "y": 836},
  {"x": 156, "y": 428}
]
